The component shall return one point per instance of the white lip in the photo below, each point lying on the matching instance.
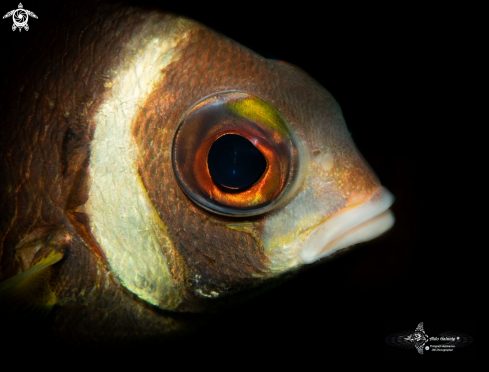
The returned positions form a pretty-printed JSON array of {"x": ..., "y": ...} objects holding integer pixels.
[{"x": 360, "y": 224}]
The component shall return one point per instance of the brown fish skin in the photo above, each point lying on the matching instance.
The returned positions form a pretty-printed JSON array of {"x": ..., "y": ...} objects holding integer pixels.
[
  {"x": 46, "y": 166},
  {"x": 46, "y": 136}
]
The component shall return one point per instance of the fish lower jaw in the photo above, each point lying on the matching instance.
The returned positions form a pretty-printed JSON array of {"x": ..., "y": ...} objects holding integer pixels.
[{"x": 360, "y": 224}]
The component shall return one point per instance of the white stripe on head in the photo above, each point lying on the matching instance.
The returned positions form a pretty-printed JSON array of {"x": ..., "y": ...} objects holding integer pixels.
[{"x": 123, "y": 219}]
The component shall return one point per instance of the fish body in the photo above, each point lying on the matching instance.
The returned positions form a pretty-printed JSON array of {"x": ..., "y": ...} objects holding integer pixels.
[{"x": 111, "y": 218}]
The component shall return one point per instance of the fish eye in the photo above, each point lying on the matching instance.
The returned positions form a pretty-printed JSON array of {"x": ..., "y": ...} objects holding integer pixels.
[
  {"x": 235, "y": 163},
  {"x": 234, "y": 154}
]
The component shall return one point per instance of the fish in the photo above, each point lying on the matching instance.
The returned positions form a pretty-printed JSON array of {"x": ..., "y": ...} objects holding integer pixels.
[{"x": 113, "y": 208}]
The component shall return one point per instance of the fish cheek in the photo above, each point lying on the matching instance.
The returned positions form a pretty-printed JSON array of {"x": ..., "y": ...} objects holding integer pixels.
[{"x": 219, "y": 261}]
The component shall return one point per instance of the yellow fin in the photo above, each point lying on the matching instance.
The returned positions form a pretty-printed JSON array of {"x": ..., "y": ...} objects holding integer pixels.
[{"x": 31, "y": 288}]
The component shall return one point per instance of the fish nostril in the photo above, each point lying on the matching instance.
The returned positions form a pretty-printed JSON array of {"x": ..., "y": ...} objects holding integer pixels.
[{"x": 327, "y": 162}]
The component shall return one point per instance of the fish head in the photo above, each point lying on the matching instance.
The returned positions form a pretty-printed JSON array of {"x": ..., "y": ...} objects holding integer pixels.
[
  {"x": 201, "y": 236},
  {"x": 184, "y": 170}
]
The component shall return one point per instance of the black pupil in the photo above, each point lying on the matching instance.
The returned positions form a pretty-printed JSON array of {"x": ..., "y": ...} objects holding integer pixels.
[{"x": 234, "y": 162}]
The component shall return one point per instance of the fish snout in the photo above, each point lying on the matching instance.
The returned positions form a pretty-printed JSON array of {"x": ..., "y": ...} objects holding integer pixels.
[{"x": 356, "y": 224}]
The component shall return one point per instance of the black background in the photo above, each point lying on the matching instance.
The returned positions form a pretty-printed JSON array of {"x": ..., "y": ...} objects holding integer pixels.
[{"x": 387, "y": 67}]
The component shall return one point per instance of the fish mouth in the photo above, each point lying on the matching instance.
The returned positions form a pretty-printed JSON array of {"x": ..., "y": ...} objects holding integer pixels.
[{"x": 359, "y": 224}]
